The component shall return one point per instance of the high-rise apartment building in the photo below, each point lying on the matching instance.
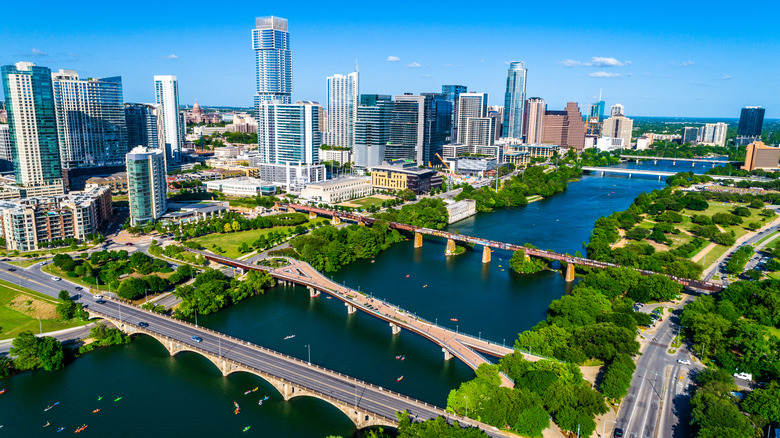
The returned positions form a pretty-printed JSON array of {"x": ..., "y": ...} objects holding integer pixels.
[
  {"x": 273, "y": 60},
  {"x": 514, "y": 100},
  {"x": 6, "y": 157},
  {"x": 480, "y": 131},
  {"x": 167, "y": 94},
  {"x": 690, "y": 134},
  {"x": 343, "y": 96},
  {"x": 437, "y": 128},
  {"x": 714, "y": 133},
  {"x": 470, "y": 105},
  {"x": 144, "y": 125},
  {"x": 32, "y": 121},
  {"x": 452, "y": 93},
  {"x": 751, "y": 122},
  {"x": 146, "y": 185},
  {"x": 497, "y": 114},
  {"x": 90, "y": 120},
  {"x": 407, "y": 127},
  {"x": 565, "y": 128},
  {"x": 534, "y": 120},
  {"x": 372, "y": 129},
  {"x": 618, "y": 125},
  {"x": 289, "y": 132}
]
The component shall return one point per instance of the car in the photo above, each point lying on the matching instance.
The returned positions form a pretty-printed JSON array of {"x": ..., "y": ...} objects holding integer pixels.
[
  {"x": 618, "y": 433},
  {"x": 100, "y": 302},
  {"x": 129, "y": 244},
  {"x": 55, "y": 278},
  {"x": 197, "y": 338},
  {"x": 97, "y": 297},
  {"x": 744, "y": 376},
  {"x": 12, "y": 269},
  {"x": 78, "y": 288},
  {"x": 143, "y": 324},
  {"x": 684, "y": 361}
]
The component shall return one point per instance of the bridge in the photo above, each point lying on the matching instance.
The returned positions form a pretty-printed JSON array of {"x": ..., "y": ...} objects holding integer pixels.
[
  {"x": 489, "y": 245},
  {"x": 467, "y": 348},
  {"x": 659, "y": 173},
  {"x": 674, "y": 160},
  {"x": 365, "y": 404}
]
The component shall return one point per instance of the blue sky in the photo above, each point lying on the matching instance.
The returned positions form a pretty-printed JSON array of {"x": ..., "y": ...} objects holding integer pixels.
[{"x": 657, "y": 58}]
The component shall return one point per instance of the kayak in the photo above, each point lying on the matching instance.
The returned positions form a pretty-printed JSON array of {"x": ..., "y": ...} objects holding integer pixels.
[
  {"x": 251, "y": 390},
  {"x": 399, "y": 379},
  {"x": 117, "y": 399},
  {"x": 96, "y": 411},
  {"x": 3, "y": 390},
  {"x": 48, "y": 423},
  {"x": 247, "y": 428},
  {"x": 100, "y": 397},
  {"x": 49, "y": 407},
  {"x": 60, "y": 429},
  {"x": 454, "y": 319}
]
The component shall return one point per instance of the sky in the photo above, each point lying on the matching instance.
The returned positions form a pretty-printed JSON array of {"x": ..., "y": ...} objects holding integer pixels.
[{"x": 658, "y": 58}]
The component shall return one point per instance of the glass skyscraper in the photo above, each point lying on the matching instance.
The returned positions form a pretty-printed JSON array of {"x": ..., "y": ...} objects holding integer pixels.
[
  {"x": 90, "y": 120},
  {"x": 32, "y": 122},
  {"x": 343, "y": 95},
  {"x": 451, "y": 93},
  {"x": 144, "y": 125},
  {"x": 273, "y": 60},
  {"x": 289, "y": 133},
  {"x": 146, "y": 186},
  {"x": 372, "y": 129},
  {"x": 407, "y": 127},
  {"x": 514, "y": 100},
  {"x": 166, "y": 90},
  {"x": 438, "y": 127}
]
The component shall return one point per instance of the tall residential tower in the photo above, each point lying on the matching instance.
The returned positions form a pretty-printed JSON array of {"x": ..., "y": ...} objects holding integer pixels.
[
  {"x": 167, "y": 94},
  {"x": 273, "y": 60},
  {"x": 343, "y": 95},
  {"x": 146, "y": 186},
  {"x": 514, "y": 100}
]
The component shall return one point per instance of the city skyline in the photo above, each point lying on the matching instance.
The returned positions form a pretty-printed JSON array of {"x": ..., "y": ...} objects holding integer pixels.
[{"x": 651, "y": 65}]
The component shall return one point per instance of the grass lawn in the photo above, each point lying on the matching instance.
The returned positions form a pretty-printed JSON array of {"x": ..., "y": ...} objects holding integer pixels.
[
  {"x": 231, "y": 241},
  {"x": 367, "y": 202},
  {"x": 57, "y": 272},
  {"x": 247, "y": 202},
  {"x": 20, "y": 309},
  {"x": 26, "y": 263}
]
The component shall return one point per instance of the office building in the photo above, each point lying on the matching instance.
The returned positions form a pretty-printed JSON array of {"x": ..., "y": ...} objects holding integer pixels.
[
  {"x": 618, "y": 126},
  {"x": 289, "y": 133},
  {"x": 27, "y": 223},
  {"x": 534, "y": 119},
  {"x": 343, "y": 101},
  {"x": 90, "y": 121},
  {"x": 337, "y": 190},
  {"x": 32, "y": 124},
  {"x": 292, "y": 177},
  {"x": 714, "y": 133},
  {"x": 273, "y": 60},
  {"x": 565, "y": 128},
  {"x": 372, "y": 129},
  {"x": 407, "y": 128},
  {"x": 514, "y": 100},
  {"x": 437, "y": 128},
  {"x": 452, "y": 94},
  {"x": 398, "y": 177},
  {"x": 751, "y": 122},
  {"x": 144, "y": 125},
  {"x": 470, "y": 105},
  {"x": 690, "y": 134},
  {"x": 146, "y": 187},
  {"x": 761, "y": 156},
  {"x": 6, "y": 157},
  {"x": 597, "y": 111},
  {"x": 167, "y": 94},
  {"x": 497, "y": 114},
  {"x": 242, "y": 186}
]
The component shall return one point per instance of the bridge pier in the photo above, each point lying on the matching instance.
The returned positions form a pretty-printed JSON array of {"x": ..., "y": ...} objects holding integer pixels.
[
  {"x": 396, "y": 329},
  {"x": 569, "y": 277},
  {"x": 313, "y": 293},
  {"x": 693, "y": 164},
  {"x": 713, "y": 165},
  {"x": 450, "y": 247},
  {"x": 312, "y": 215},
  {"x": 485, "y": 254},
  {"x": 630, "y": 175},
  {"x": 447, "y": 354},
  {"x": 336, "y": 220},
  {"x": 350, "y": 308},
  {"x": 674, "y": 163},
  {"x": 418, "y": 240},
  {"x": 655, "y": 162},
  {"x": 362, "y": 223}
]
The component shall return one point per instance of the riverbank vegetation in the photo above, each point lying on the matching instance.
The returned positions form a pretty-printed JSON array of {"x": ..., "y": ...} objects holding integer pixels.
[
  {"x": 329, "y": 248},
  {"x": 213, "y": 290},
  {"x": 428, "y": 213},
  {"x": 30, "y": 352},
  {"x": 523, "y": 264},
  {"x": 102, "y": 336}
]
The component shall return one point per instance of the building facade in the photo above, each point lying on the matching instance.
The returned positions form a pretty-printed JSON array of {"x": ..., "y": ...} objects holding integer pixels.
[
  {"x": 437, "y": 128},
  {"x": 618, "y": 125},
  {"x": 565, "y": 128},
  {"x": 289, "y": 133},
  {"x": 372, "y": 129},
  {"x": 407, "y": 128},
  {"x": 167, "y": 96},
  {"x": 394, "y": 177},
  {"x": 761, "y": 156},
  {"x": 714, "y": 133},
  {"x": 32, "y": 122},
  {"x": 146, "y": 187},
  {"x": 690, "y": 134},
  {"x": 273, "y": 60},
  {"x": 480, "y": 131},
  {"x": 452, "y": 93},
  {"x": 343, "y": 101},
  {"x": 470, "y": 105},
  {"x": 144, "y": 125},
  {"x": 534, "y": 120},
  {"x": 242, "y": 186},
  {"x": 6, "y": 157},
  {"x": 337, "y": 190},
  {"x": 514, "y": 100}
]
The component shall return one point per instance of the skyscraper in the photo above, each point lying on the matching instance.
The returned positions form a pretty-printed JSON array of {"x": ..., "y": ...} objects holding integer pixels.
[
  {"x": 372, "y": 129},
  {"x": 451, "y": 93},
  {"x": 6, "y": 157},
  {"x": 618, "y": 125},
  {"x": 714, "y": 133},
  {"x": 273, "y": 60},
  {"x": 565, "y": 128},
  {"x": 437, "y": 130},
  {"x": 29, "y": 100},
  {"x": 289, "y": 133},
  {"x": 167, "y": 95},
  {"x": 514, "y": 100},
  {"x": 91, "y": 126},
  {"x": 597, "y": 110},
  {"x": 690, "y": 134},
  {"x": 751, "y": 122},
  {"x": 479, "y": 131},
  {"x": 146, "y": 186},
  {"x": 144, "y": 125},
  {"x": 471, "y": 105},
  {"x": 407, "y": 127},
  {"x": 343, "y": 95},
  {"x": 534, "y": 120}
]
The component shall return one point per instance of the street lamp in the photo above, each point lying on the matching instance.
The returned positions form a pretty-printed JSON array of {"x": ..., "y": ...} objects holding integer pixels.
[{"x": 308, "y": 346}]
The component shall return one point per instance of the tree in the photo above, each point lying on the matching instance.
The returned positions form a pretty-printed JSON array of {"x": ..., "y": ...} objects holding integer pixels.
[
  {"x": 50, "y": 353},
  {"x": 523, "y": 264},
  {"x": 764, "y": 402},
  {"x": 25, "y": 351}
]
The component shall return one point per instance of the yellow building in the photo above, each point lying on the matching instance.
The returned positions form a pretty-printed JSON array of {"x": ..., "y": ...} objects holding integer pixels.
[
  {"x": 519, "y": 159},
  {"x": 389, "y": 177},
  {"x": 761, "y": 156}
]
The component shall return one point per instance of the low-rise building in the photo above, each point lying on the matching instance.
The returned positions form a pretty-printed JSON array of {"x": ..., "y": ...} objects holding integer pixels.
[
  {"x": 518, "y": 158},
  {"x": 475, "y": 166},
  {"x": 242, "y": 186},
  {"x": 28, "y": 222},
  {"x": 460, "y": 210},
  {"x": 399, "y": 177},
  {"x": 761, "y": 156},
  {"x": 116, "y": 182},
  {"x": 537, "y": 150},
  {"x": 610, "y": 143},
  {"x": 337, "y": 190},
  {"x": 340, "y": 155},
  {"x": 186, "y": 212}
]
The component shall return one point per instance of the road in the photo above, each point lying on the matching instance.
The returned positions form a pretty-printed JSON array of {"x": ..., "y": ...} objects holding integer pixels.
[
  {"x": 749, "y": 241},
  {"x": 657, "y": 401}
]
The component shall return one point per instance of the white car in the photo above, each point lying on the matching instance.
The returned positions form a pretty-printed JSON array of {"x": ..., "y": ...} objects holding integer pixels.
[
  {"x": 97, "y": 297},
  {"x": 684, "y": 361},
  {"x": 55, "y": 278},
  {"x": 744, "y": 376}
]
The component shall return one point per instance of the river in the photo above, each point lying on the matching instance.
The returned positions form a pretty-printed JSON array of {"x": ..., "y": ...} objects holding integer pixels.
[{"x": 185, "y": 395}]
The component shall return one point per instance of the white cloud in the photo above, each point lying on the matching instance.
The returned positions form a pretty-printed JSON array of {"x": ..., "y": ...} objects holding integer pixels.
[
  {"x": 38, "y": 52},
  {"x": 393, "y": 59},
  {"x": 687, "y": 63},
  {"x": 600, "y": 61},
  {"x": 570, "y": 62},
  {"x": 726, "y": 77},
  {"x": 171, "y": 56},
  {"x": 414, "y": 65},
  {"x": 603, "y": 74}
]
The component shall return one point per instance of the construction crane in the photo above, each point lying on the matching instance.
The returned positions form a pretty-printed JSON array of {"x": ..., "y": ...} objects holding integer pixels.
[{"x": 445, "y": 163}]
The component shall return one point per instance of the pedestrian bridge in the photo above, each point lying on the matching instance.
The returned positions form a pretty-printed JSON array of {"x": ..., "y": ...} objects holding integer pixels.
[{"x": 674, "y": 160}]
